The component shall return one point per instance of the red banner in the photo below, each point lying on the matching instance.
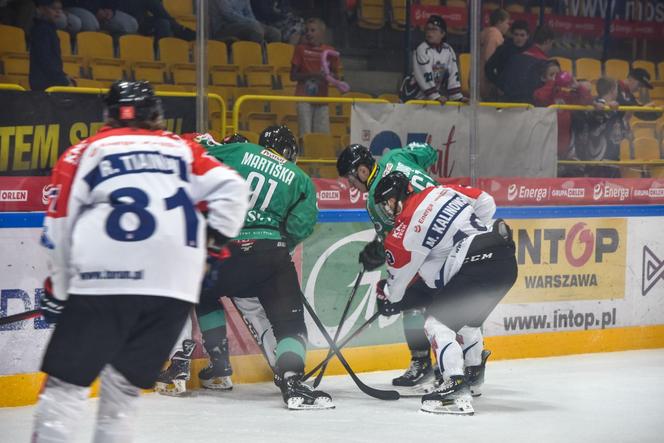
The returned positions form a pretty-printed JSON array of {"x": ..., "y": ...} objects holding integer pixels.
[{"x": 24, "y": 193}]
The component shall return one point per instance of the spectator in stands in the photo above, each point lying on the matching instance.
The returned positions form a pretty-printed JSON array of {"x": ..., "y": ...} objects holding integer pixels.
[
  {"x": 104, "y": 15},
  {"x": 277, "y": 13},
  {"x": 495, "y": 66},
  {"x": 306, "y": 70},
  {"x": 18, "y": 13},
  {"x": 523, "y": 71},
  {"x": 491, "y": 38},
  {"x": 45, "y": 57},
  {"x": 154, "y": 19},
  {"x": 637, "y": 80},
  {"x": 560, "y": 88},
  {"x": 235, "y": 18}
]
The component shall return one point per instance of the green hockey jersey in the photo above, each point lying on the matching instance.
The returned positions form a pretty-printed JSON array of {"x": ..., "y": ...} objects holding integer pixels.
[
  {"x": 413, "y": 160},
  {"x": 283, "y": 197}
]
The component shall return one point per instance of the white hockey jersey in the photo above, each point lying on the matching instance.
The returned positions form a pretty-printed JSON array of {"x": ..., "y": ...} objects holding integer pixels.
[
  {"x": 432, "y": 234},
  {"x": 123, "y": 219},
  {"x": 435, "y": 69}
]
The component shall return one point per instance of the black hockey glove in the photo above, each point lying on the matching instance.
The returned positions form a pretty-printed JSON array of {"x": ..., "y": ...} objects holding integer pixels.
[
  {"x": 384, "y": 306},
  {"x": 373, "y": 255},
  {"x": 51, "y": 307},
  {"x": 216, "y": 245}
]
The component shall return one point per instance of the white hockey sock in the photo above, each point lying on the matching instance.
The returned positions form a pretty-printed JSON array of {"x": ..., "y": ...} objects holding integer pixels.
[
  {"x": 185, "y": 334},
  {"x": 117, "y": 408},
  {"x": 58, "y": 411},
  {"x": 472, "y": 345},
  {"x": 253, "y": 311},
  {"x": 448, "y": 352}
]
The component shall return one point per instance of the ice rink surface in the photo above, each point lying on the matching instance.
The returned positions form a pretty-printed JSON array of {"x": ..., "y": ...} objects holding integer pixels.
[{"x": 611, "y": 397}]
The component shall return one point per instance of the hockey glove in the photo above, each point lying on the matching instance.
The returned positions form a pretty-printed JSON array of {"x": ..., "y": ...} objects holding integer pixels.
[
  {"x": 51, "y": 307},
  {"x": 216, "y": 245},
  {"x": 372, "y": 256},
  {"x": 384, "y": 306}
]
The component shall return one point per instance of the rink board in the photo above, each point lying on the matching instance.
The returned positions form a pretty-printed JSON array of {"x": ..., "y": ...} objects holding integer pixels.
[{"x": 589, "y": 281}]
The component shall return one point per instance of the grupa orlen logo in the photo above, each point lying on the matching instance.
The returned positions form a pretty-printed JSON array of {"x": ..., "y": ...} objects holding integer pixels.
[{"x": 512, "y": 192}]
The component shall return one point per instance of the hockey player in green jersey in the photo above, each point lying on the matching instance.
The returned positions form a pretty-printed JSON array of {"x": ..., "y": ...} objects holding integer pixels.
[
  {"x": 283, "y": 212},
  {"x": 363, "y": 172}
]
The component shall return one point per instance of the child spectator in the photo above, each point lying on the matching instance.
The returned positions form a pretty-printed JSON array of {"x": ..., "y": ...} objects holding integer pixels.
[
  {"x": 490, "y": 39},
  {"x": 560, "y": 88},
  {"x": 45, "y": 56},
  {"x": 517, "y": 43},
  {"x": 306, "y": 70}
]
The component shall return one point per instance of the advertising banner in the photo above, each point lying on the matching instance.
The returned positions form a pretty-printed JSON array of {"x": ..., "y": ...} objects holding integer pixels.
[{"x": 525, "y": 139}]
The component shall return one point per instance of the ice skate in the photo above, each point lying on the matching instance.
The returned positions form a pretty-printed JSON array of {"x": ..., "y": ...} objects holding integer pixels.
[
  {"x": 451, "y": 397},
  {"x": 417, "y": 378},
  {"x": 173, "y": 380},
  {"x": 217, "y": 375},
  {"x": 475, "y": 375},
  {"x": 299, "y": 396}
]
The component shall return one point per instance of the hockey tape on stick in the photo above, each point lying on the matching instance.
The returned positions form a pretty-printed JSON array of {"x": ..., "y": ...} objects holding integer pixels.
[
  {"x": 372, "y": 392},
  {"x": 18, "y": 317},
  {"x": 319, "y": 377}
]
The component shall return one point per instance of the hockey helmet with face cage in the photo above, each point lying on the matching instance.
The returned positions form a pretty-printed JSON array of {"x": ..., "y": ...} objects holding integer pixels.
[
  {"x": 394, "y": 185},
  {"x": 281, "y": 140}
]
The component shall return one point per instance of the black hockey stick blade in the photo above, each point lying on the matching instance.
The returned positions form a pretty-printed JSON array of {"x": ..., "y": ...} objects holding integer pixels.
[
  {"x": 341, "y": 345},
  {"x": 18, "y": 317},
  {"x": 372, "y": 392},
  {"x": 319, "y": 377}
]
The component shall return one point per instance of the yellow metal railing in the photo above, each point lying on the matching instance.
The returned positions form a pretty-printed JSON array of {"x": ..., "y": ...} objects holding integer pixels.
[
  {"x": 211, "y": 96},
  {"x": 482, "y": 104},
  {"x": 607, "y": 108},
  {"x": 11, "y": 87}
]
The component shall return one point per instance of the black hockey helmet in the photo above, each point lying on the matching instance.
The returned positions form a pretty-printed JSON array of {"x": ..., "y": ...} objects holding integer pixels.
[
  {"x": 353, "y": 156},
  {"x": 281, "y": 140},
  {"x": 394, "y": 185},
  {"x": 234, "y": 138},
  {"x": 128, "y": 102}
]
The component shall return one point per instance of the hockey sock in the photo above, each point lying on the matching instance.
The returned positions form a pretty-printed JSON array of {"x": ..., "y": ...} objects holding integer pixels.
[
  {"x": 213, "y": 328},
  {"x": 472, "y": 345},
  {"x": 290, "y": 355},
  {"x": 117, "y": 408},
  {"x": 59, "y": 410},
  {"x": 413, "y": 328},
  {"x": 446, "y": 348}
]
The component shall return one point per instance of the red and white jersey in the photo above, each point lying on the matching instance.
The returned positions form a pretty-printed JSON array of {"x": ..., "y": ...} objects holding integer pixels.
[
  {"x": 122, "y": 217},
  {"x": 431, "y": 236}
]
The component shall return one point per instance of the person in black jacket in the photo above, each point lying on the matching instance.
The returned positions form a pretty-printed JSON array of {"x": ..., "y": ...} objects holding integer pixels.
[
  {"x": 519, "y": 42},
  {"x": 45, "y": 57}
]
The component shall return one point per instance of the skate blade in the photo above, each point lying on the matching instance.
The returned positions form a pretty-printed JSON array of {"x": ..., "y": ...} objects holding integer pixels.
[
  {"x": 177, "y": 388},
  {"x": 427, "y": 379},
  {"x": 417, "y": 390},
  {"x": 298, "y": 404},
  {"x": 460, "y": 406},
  {"x": 218, "y": 384}
]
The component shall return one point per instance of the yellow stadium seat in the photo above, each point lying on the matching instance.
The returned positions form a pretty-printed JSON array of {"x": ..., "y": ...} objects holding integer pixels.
[
  {"x": 280, "y": 55},
  {"x": 339, "y": 126},
  {"x": 12, "y": 39},
  {"x": 398, "y": 15},
  {"x": 283, "y": 109},
  {"x": 222, "y": 73},
  {"x": 13, "y": 53},
  {"x": 87, "y": 83},
  {"x": 646, "y": 148},
  {"x": 15, "y": 63},
  {"x": 616, "y": 68},
  {"x": 96, "y": 49},
  {"x": 249, "y": 58},
  {"x": 178, "y": 8},
  {"x": 71, "y": 64},
  {"x": 65, "y": 42},
  {"x": 643, "y": 132},
  {"x": 318, "y": 145},
  {"x": 291, "y": 121},
  {"x": 371, "y": 14},
  {"x": 647, "y": 65},
  {"x": 660, "y": 70},
  {"x": 657, "y": 92},
  {"x": 659, "y": 128},
  {"x": 21, "y": 80},
  {"x": 625, "y": 150},
  {"x": 345, "y": 141},
  {"x": 588, "y": 69},
  {"x": 565, "y": 64},
  {"x": 139, "y": 51},
  {"x": 464, "y": 71},
  {"x": 174, "y": 88},
  {"x": 257, "y": 121},
  {"x": 392, "y": 98},
  {"x": 250, "y": 135},
  {"x": 175, "y": 53}
]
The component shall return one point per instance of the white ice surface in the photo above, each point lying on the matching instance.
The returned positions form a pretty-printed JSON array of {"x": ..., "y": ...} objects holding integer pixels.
[{"x": 611, "y": 397}]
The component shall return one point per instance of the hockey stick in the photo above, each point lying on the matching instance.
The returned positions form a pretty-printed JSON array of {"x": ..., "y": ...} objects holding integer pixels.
[
  {"x": 330, "y": 356},
  {"x": 319, "y": 377},
  {"x": 372, "y": 392},
  {"x": 18, "y": 317}
]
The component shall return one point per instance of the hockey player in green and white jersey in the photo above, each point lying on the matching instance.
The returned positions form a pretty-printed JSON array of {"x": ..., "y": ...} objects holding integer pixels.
[
  {"x": 363, "y": 172},
  {"x": 283, "y": 213}
]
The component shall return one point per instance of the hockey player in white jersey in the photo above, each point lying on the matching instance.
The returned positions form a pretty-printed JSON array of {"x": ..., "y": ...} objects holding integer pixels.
[
  {"x": 435, "y": 70},
  {"x": 127, "y": 253},
  {"x": 446, "y": 255}
]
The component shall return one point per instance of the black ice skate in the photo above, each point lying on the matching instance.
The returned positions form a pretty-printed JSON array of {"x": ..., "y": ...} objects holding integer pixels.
[
  {"x": 451, "y": 397},
  {"x": 299, "y": 396},
  {"x": 173, "y": 380},
  {"x": 217, "y": 375},
  {"x": 419, "y": 372},
  {"x": 475, "y": 375}
]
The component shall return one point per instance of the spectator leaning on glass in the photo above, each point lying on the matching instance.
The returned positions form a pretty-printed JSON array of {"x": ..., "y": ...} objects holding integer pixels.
[
  {"x": 306, "y": 70},
  {"x": 103, "y": 15},
  {"x": 636, "y": 80},
  {"x": 235, "y": 18},
  {"x": 45, "y": 57},
  {"x": 491, "y": 38}
]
